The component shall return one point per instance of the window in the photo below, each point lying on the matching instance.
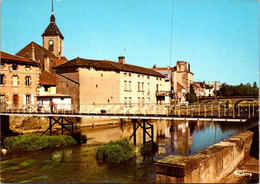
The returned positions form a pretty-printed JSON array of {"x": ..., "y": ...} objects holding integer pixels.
[
  {"x": 143, "y": 100},
  {"x": 101, "y": 74},
  {"x": 27, "y": 81},
  {"x": 27, "y": 67},
  {"x": 15, "y": 80},
  {"x": 130, "y": 101},
  {"x": 125, "y": 84},
  {"x": 2, "y": 98},
  {"x": 96, "y": 86},
  {"x": 61, "y": 98},
  {"x": 130, "y": 85},
  {"x": 125, "y": 74},
  {"x": 157, "y": 87},
  {"x": 2, "y": 79},
  {"x": 14, "y": 67},
  {"x": 46, "y": 88},
  {"x": 148, "y": 86},
  {"x": 51, "y": 45},
  {"x": 142, "y": 86},
  {"x": 139, "y": 100},
  {"x": 125, "y": 101},
  {"x": 139, "y": 87},
  {"x": 28, "y": 99},
  {"x": 148, "y": 77},
  {"x": 15, "y": 100},
  {"x": 138, "y": 75},
  {"x": 2, "y": 65},
  {"x": 129, "y": 74}
]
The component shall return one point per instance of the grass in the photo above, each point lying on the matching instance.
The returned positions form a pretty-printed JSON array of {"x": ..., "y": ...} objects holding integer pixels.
[
  {"x": 36, "y": 142},
  {"x": 116, "y": 151}
]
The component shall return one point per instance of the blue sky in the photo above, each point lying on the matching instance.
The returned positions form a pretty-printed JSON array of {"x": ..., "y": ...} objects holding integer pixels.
[{"x": 219, "y": 38}]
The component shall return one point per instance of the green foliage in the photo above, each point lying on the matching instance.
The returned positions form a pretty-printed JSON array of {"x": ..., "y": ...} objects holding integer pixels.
[
  {"x": 37, "y": 142},
  {"x": 116, "y": 151},
  {"x": 191, "y": 96},
  {"x": 238, "y": 90},
  {"x": 149, "y": 149}
]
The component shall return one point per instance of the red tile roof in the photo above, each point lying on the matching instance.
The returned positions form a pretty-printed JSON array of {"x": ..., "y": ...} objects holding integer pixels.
[
  {"x": 59, "y": 61},
  {"x": 47, "y": 78},
  {"x": 40, "y": 52},
  {"x": 108, "y": 65},
  {"x": 17, "y": 59}
]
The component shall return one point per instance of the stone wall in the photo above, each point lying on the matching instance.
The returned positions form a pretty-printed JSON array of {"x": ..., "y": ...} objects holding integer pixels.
[{"x": 206, "y": 166}]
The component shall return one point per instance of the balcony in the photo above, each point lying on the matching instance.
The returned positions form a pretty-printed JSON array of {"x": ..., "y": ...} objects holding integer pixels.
[{"x": 163, "y": 93}]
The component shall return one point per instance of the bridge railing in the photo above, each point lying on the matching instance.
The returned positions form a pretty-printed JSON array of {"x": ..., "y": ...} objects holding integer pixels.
[{"x": 202, "y": 110}]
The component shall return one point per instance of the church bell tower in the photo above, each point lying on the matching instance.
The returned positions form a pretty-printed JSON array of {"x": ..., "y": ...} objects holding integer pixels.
[{"x": 52, "y": 37}]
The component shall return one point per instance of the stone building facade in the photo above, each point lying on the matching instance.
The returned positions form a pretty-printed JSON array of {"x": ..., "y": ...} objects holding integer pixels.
[
  {"x": 19, "y": 79},
  {"x": 180, "y": 78},
  {"x": 102, "y": 81}
]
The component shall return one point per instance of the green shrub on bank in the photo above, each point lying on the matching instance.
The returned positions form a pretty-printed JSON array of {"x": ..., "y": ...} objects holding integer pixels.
[
  {"x": 36, "y": 142},
  {"x": 116, "y": 151}
]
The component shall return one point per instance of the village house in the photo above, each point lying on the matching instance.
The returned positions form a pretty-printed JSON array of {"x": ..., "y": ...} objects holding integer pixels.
[
  {"x": 19, "y": 79},
  {"x": 180, "y": 78},
  {"x": 101, "y": 81}
]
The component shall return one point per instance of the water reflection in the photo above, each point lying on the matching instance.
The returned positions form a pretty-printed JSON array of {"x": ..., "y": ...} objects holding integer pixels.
[
  {"x": 78, "y": 164},
  {"x": 173, "y": 137}
]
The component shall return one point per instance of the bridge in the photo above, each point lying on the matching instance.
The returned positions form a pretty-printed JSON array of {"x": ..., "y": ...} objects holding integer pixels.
[{"x": 139, "y": 113}]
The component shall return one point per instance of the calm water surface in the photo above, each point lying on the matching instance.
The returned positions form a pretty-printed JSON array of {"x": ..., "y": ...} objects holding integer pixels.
[{"x": 78, "y": 164}]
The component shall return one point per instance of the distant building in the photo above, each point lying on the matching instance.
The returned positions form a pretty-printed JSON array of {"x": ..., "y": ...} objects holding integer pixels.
[
  {"x": 180, "y": 78},
  {"x": 203, "y": 90},
  {"x": 19, "y": 79},
  {"x": 102, "y": 81}
]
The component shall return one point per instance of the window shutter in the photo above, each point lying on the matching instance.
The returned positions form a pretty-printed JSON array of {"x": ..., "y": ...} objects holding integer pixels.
[
  {"x": 17, "y": 80},
  {"x": 24, "y": 99},
  {"x": 4, "y": 79},
  {"x": 12, "y": 80},
  {"x": 30, "y": 82},
  {"x": 17, "y": 99},
  {"x": 32, "y": 99}
]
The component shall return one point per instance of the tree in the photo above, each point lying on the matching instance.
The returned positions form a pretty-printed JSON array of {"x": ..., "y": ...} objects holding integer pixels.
[{"x": 191, "y": 96}]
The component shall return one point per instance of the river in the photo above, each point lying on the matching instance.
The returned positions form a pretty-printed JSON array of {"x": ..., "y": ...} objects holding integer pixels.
[{"x": 77, "y": 163}]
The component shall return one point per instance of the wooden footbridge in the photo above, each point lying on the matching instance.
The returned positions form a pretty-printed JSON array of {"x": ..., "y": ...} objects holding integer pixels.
[{"x": 140, "y": 114}]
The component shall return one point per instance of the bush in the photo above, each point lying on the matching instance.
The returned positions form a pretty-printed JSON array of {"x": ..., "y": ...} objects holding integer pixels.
[
  {"x": 37, "y": 142},
  {"x": 116, "y": 151},
  {"x": 149, "y": 149}
]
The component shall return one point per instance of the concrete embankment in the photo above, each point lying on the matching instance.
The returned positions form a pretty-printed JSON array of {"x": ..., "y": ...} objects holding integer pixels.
[{"x": 210, "y": 165}]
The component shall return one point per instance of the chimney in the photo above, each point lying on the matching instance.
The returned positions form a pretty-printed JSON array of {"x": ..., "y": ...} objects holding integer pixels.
[
  {"x": 189, "y": 67},
  {"x": 33, "y": 53},
  {"x": 121, "y": 59}
]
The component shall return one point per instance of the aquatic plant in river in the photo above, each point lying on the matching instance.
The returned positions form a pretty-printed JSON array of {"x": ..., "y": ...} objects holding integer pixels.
[
  {"x": 116, "y": 151},
  {"x": 36, "y": 142}
]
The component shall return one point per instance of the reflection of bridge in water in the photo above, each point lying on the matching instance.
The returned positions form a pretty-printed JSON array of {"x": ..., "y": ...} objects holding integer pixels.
[{"x": 140, "y": 114}]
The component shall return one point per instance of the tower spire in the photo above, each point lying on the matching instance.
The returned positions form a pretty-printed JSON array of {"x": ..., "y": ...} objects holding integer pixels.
[{"x": 52, "y": 7}]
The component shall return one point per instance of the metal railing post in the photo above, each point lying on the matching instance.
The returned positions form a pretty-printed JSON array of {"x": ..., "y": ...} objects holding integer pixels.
[
  {"x": 249, "y": 111},
  {"x": 253, "y": 111},
  {"x": 205, "y": 110},
  {"x": 238, "y": 109},
  {"x": 233, "y": 110},
  {"x": 218, "y": 110}
]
